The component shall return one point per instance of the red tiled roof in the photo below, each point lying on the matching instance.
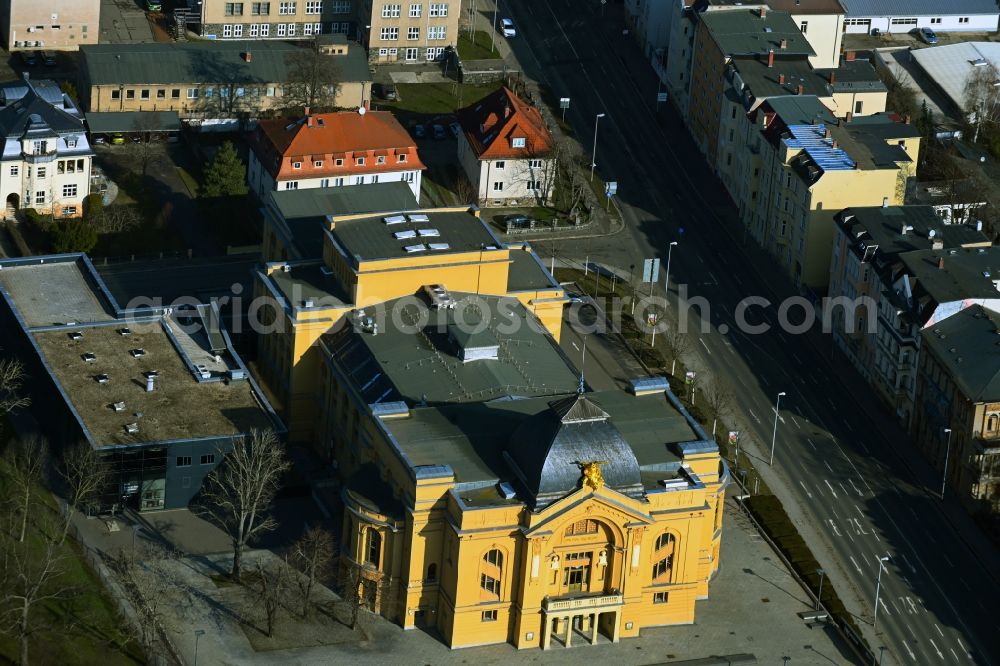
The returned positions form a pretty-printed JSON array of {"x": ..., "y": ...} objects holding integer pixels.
[
  {"x": 325, "y": 137},
  {"x": 492, "y": 124}
]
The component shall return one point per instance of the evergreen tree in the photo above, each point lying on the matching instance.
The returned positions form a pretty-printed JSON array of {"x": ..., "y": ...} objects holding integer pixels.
[
  {"x": 73, "y": 235},
  {"x": 226, "y": 175}
]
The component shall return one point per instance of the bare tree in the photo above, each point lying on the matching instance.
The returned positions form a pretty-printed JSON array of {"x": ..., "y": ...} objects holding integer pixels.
[
  {"x": 142, "y": 583},
  {"x": 678, "y": 342},
  {"x": 357, "y": 591},
  {"x": 465, "y": 190},
  {"x": 26, "y": 457},
  {"x": 31, "y": 578},
  {"x": 11, "y": 381},
  {"x": 271, "y": 588},
  {"x": 238, "y": 493},
  {"x": 313, "y": 555},
  {"x": 313, "y": 79},
  {"x": 85, "y": 475},
  {"x": 982, "y": 97},
  {"x": 146, "y": 128},
  {"x": 117, "y": 218}
]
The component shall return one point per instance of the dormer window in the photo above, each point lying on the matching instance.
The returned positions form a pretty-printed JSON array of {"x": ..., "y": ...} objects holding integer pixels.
[
  {"x": 360, "y": 161},
  {"x": 296, "y": 165},
  {"x": 318, "y": 164},
  {"x": 380, "y": 159},
  {"x": 71, "y": 142},
  {"x": 401, "y": 158},
  {"x": 338, "y": 162},
  {"x": 517, "y": 142}
]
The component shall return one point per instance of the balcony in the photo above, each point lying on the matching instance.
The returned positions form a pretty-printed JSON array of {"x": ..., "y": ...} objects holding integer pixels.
[{"x": 574, "y": 602}]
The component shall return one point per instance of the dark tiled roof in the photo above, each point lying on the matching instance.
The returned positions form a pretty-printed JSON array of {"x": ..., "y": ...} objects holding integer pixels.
[{"x": 968, "y": 345}]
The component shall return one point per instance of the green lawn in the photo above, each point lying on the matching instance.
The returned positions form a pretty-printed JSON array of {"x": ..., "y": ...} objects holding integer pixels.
[
  {"x": 428, "y": 99},
  {"x": 84, "y": 628},
  {"x": 477, "y": 48}
]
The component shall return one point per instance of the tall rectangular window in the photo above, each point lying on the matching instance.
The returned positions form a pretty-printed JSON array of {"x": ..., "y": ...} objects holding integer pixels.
[
  {"x": 415, "y": 11},
  {"x": 69, "y": 191},
  {"x": 314, "y": 7},
  {"x": 437, "y": 32},
  {"x": 438, "y": 9},
  {"x": 390, "y": 11}
]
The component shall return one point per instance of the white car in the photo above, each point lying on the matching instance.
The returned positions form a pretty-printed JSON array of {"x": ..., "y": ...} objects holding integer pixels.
[{"x": 507, "y": 27}]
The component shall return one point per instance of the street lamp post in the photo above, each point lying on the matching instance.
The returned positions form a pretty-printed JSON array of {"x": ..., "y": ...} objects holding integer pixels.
[
  {"x": 774, "y": 434},
  {"x": 593, "y": 155},
  {"x": 198, "y": 633},
  {"x": 878, "y": 587},
  {"x": 819, "y": 596},
  {"x": 947, "y": 455},
  {"x": 881, "y": 651},
  {"x": 493, "y": 41},
  {"x": 666, "y": 284}
]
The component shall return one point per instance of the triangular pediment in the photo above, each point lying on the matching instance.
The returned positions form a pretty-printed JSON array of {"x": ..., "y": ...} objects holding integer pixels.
[{"x": 605, "y": 502}]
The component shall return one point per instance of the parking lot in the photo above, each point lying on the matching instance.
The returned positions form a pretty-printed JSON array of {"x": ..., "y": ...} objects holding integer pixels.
[{"x": 124, "y": 22}]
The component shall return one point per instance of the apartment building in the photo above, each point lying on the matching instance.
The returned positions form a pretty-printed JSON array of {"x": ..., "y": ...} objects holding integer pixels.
[
  {"x": 853, "y": 89},
  {"x": 208, "y": 80},
  {"x": 885, "y": 305},
  {"x": 407, "y": 32},
  {"x": 46, "y": 158},
  {"x": 957, "y": 419},
  {"x": 275, "y": 19},
  {"x": 341, "y": 149},
  {"x": 506, "y": 151},
  {"x": 51, "y": 25},
  {"x": 808, "y": 167},
  {"x": 160, "y": 394}
]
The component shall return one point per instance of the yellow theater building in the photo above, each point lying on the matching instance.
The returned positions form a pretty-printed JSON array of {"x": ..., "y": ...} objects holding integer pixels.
[{"x": 486, "y": 489}]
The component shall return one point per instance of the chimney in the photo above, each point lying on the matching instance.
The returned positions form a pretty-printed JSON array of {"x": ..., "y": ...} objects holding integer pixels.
[
  {"x": 763, "y": 12},
  {"x": 979, "y": 225},
  {"x": 27, "y": 76},
  {"x": 885, "y": 204},
  {"x": 827, "y": 134},
  {"x": 150, "y": 383},
  {"x": 506, "y": 111},
  {"x": 940, "y": 263},
  {"x": 781, "y": 79},
  {"x": 835, "y": 145},
  {"x": 905, "y": 228},
  {"x": 801, "y": 90},
  {"x": 833, "y": 76},
  {"x": 906, "y": 119},
  {"x": 309, "y": 120},
  {"x": 849, "y": 56},
  {"x": 247, "y": 56},
  {"x": 770, "y": 57},
  {"x": 783, "y": 44},
  {"x": 850, "y": 116}
]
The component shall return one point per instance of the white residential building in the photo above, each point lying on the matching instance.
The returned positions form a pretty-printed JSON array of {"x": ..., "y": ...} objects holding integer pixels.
[
  {"x": 903, "y": 16},
  {"x": 46, "y": 157}
]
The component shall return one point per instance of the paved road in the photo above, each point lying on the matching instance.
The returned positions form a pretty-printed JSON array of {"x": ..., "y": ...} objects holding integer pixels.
[{"x": 847, "y": 477}]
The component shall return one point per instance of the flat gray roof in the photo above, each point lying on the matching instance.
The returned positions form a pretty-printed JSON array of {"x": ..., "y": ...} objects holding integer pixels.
[
  {"x": 744, "y": 32},
  {"x": 882, "y": 227},
  {"x": 526, "y": 273},
  {"x": 407, "y": 364},
  {"x": 371, "y": 238},
  {"x": 915, "y": 8},
  {"x": 967, "y": 273},
  {"x": 304, "y": 211},
  {"x": 134, "y": 121},
  {"x": 56, "y": 292}
]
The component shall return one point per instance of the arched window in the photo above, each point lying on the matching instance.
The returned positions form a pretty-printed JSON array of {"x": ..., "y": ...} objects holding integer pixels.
[
  {"x": 432, "y": 573},
  {"x": 663, "y": 557},
  {"x": 992, "y": 422},
  {"x": 490, "y": 575},
  {"x": 373, "y": 547}
]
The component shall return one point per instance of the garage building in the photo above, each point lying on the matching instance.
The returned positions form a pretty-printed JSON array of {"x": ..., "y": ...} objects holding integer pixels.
[{"x": 902, "y": 16}]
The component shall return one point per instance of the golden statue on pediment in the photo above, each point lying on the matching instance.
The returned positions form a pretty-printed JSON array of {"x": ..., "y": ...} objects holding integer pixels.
[{"x": 591, "y": 471}]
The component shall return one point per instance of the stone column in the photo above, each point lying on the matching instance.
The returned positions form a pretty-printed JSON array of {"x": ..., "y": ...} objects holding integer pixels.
[
  {"x": 569, "y": 630},
  {"x": 593, "y": 629},
  {"x": 616, "y": 629},
  {"x": 546, "y": 631}
]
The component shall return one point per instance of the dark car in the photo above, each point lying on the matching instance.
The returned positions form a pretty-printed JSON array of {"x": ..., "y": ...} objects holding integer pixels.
[
  {"x": 928, "y": 36},
  {"x": 28, "y": 58},
  {"x": 439, "y": 132},
  {"x": 49, "y": 58},
  {"x": 386, "y": 91},
  {"x": 419, "y": 131},
  {"x": 518, "y": 222}
]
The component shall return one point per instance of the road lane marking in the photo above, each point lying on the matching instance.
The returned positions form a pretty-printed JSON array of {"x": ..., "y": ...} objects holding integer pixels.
[
  {"x": 939, "y": 630},
  {"x": 843, "y": 487},
  {"x": 909, "y": 600},
  {"x": 861, "y": 530},
  {"x": 806, "y": 489},
  {"x": 857, "y": 490},
  {"x": 811, "y": 443},
  {"x": 848, "y": 531},
  {"x": 796, "y": 422},
  {"x": 832, "y": 491},
  {"x": 948, "y": 560},
  {"x": 936, "y": 648},
  {"x": 574, "y": 345},
  {"x": 796, "y": 359},
  {"x": 849, "y": 426},
  {"x": 913, "y": 569},
  {"x": 884, "y": 607},
  {"x": 757, "y": 419},
  {"x": 705, "y": 346},
  {"x": 953, "y": 654},
  {"x": 827, "y": 463},
  {"x": 834, "y": 526},
  {"x": 907, "y": 646},
  {"x": 855, "y": 563},
  {"x": 903, "y": 604}
]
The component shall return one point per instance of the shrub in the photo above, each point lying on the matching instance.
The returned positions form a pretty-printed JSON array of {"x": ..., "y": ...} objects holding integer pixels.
[
  {"x": 93, "y": 206},
  {"x": 72, "y": 235}
]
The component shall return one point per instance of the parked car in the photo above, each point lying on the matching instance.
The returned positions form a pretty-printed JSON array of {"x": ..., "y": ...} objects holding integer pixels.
[
  {"x": 928, "y": 36},
  {"x": 439, "y": 132},
  {"x": 518, "y": 221},
  {"x": 154, "y": 5},
  {"x": 28, "y": 58},
  {"x": 49, "y": 58},
  {"x": 456, "y": 129},
  {"x": 99, "y": 138},
  {"x": 117, "y": 139},
  {"x": 419, "y": 131},
  {"x": 507, "y": 27},
  {"x": 386, "y": 91}
]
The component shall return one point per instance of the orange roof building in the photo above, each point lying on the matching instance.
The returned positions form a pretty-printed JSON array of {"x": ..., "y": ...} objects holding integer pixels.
[
  {"x": 506, "y": 150},
  {"x": 332, "y": 150}
]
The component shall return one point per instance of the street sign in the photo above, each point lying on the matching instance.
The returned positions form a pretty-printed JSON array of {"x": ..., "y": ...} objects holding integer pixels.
[
  {"x": 651, "y": 319},
  {"x": 734, "y": 436},
  {"x": 689, "y": 377},
  {"x": 564, "y": 102},
  {"x": 611, "y": 188},
  {"x": 661, "y": 97},
  {"x": 650, "y": 270}
]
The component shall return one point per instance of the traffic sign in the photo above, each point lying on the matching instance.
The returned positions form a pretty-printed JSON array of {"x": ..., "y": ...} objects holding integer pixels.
[
  {"x": 611, "y": 188},
  {"x": 564, "y": 102},
  {"x": 650, "y": 270},
  {"x": 734, "y": 436},
  {"x": 661, "y": 97}
]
